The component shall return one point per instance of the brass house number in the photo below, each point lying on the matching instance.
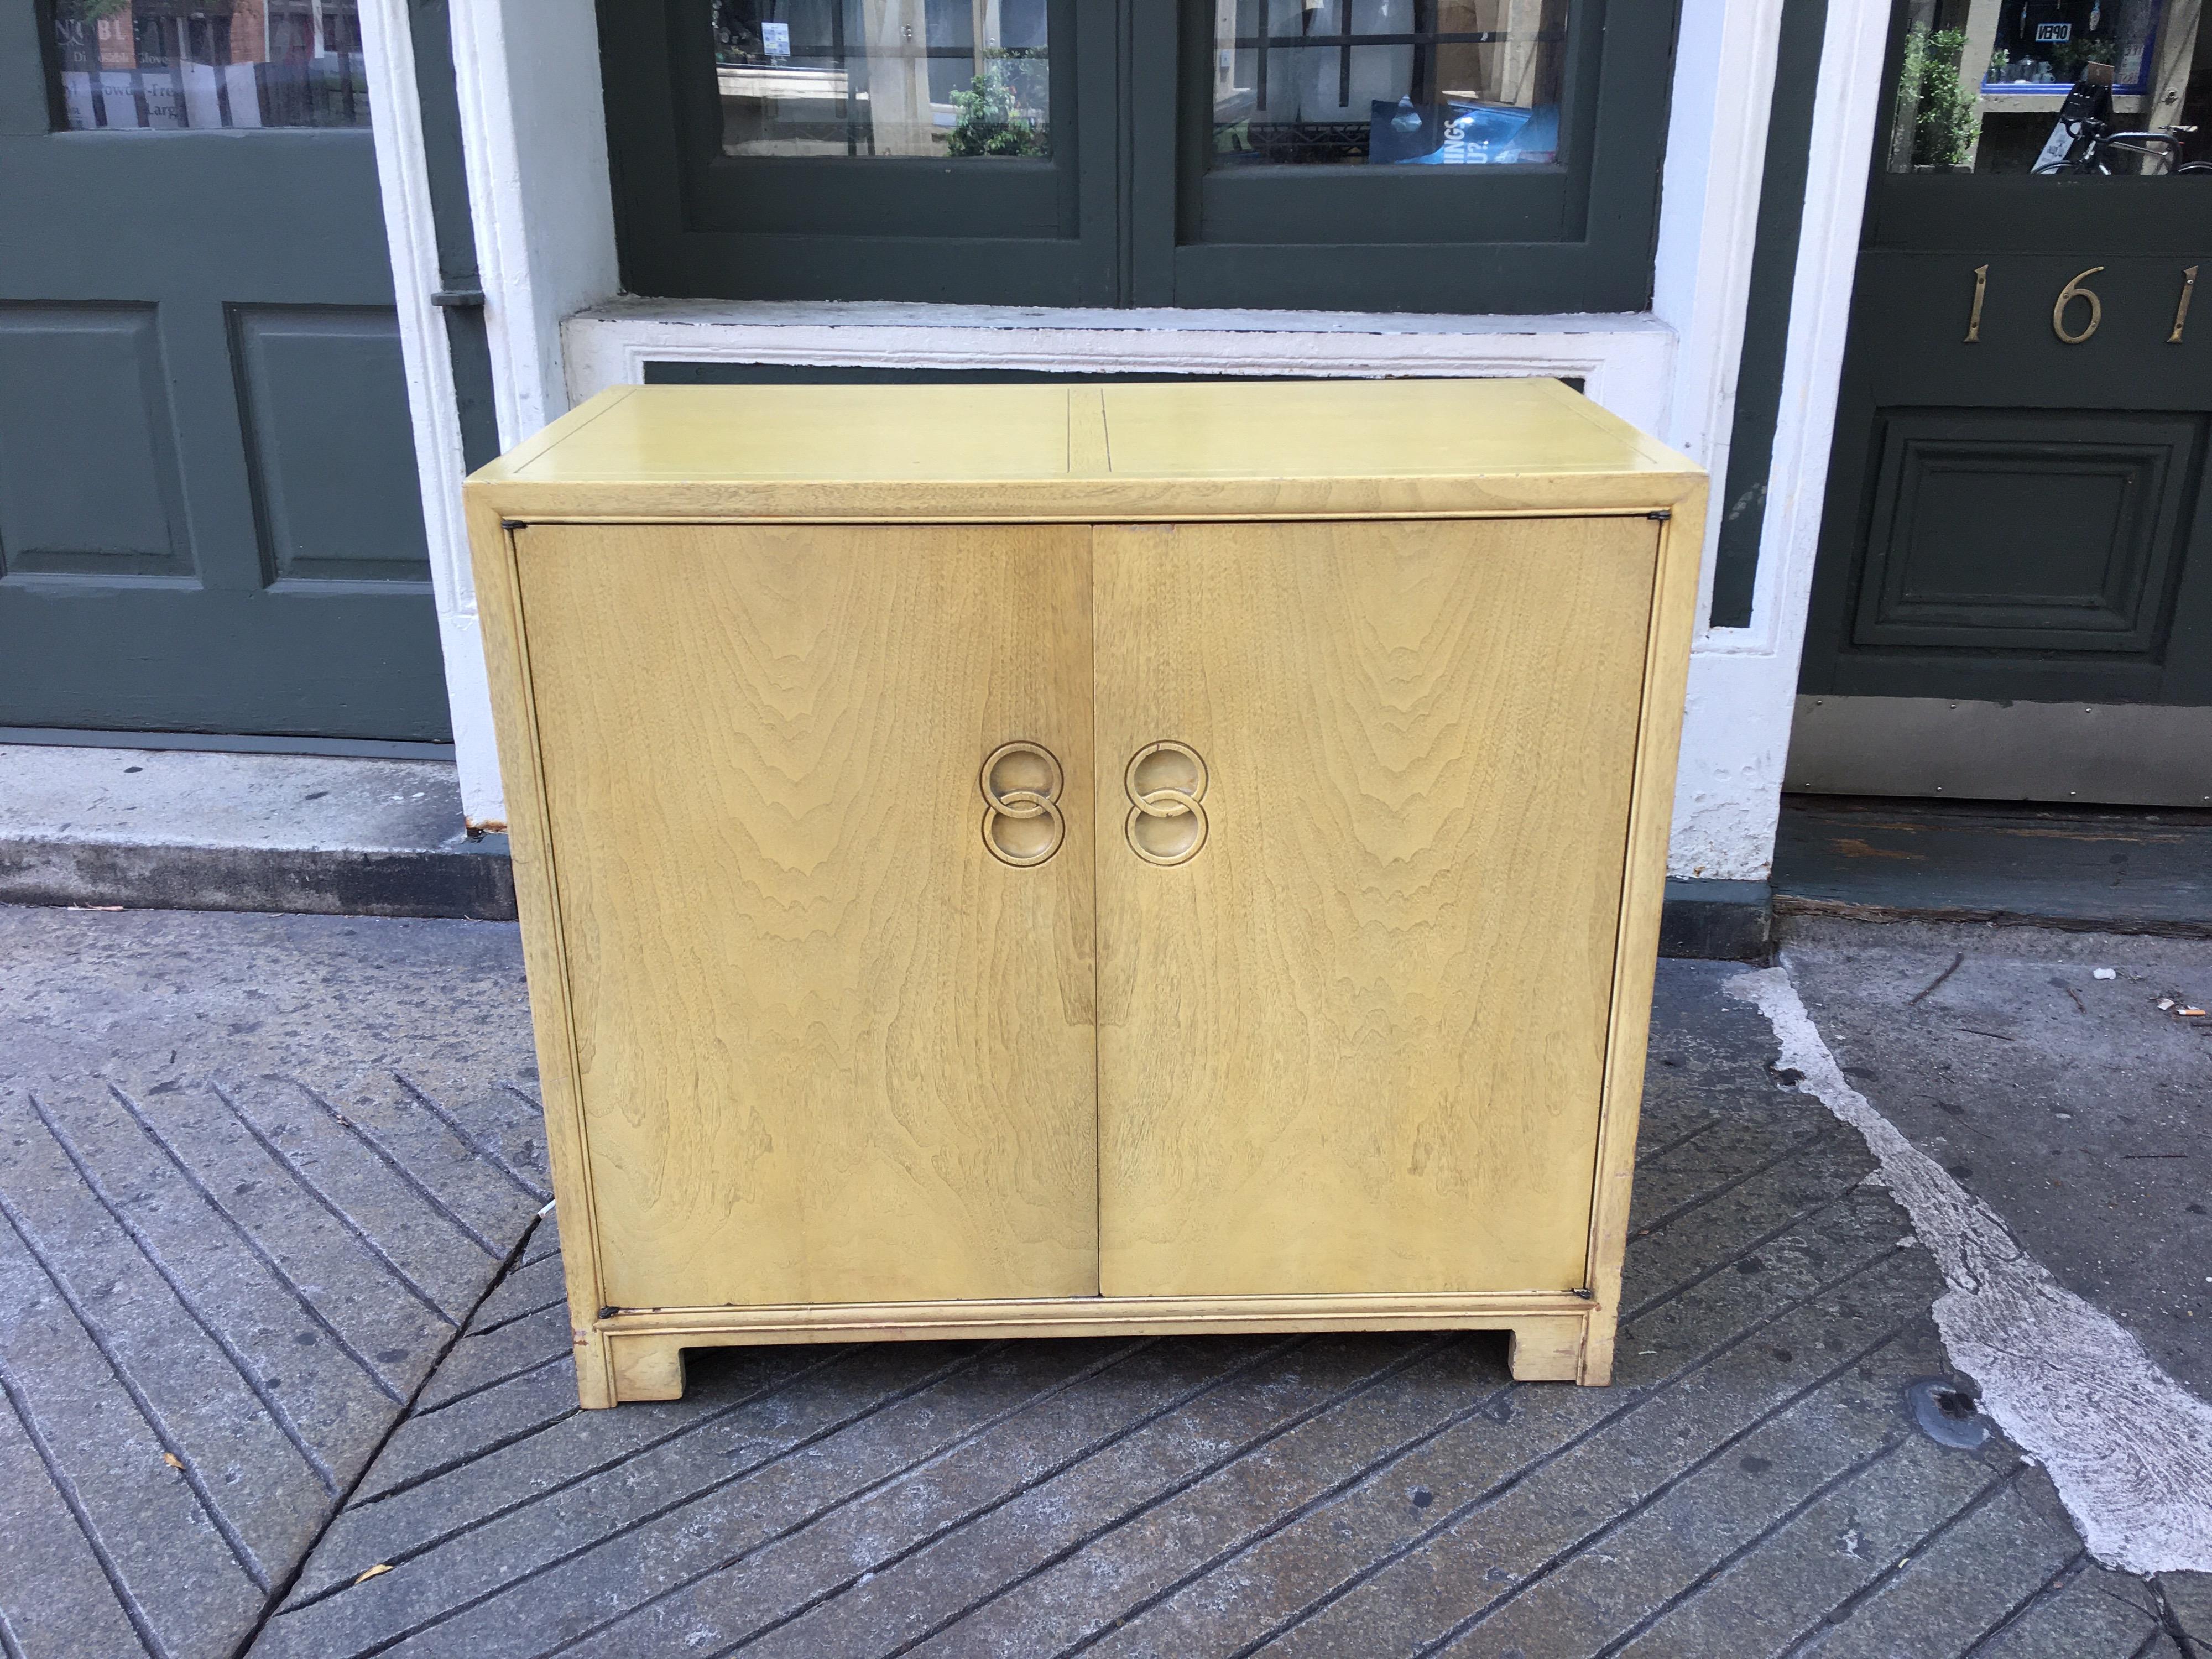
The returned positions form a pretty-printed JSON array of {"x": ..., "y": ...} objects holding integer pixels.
[
  {"x": 2063, "y": 316},
  {"x": 2067, "y": 296}
]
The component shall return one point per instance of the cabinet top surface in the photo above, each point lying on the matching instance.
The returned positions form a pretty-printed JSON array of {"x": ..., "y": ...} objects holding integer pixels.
[{"x": 1508, "y": 443}]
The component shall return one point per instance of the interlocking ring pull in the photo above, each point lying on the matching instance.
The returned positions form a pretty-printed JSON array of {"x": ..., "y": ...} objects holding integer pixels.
[
  {"x": 1166, "y": 783},
  {"x": 1022, "y": 823}
]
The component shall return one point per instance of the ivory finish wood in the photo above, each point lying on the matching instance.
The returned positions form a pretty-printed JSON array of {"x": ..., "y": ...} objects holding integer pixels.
[
  {"x": 1085, "y": 454},
  {"x": 1547, "y": 1334},
  {"x": 1357, "y": 1043},
  {"x": 817, "y": 1066},
  {"x": 828, "y": 1053},
  {"x": 1644, "y": 885}
]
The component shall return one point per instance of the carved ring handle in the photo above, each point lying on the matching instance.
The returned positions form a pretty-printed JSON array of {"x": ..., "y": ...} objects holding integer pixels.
[
  {"x": 1166, "y": 783},
  {"x": 1021, "y": 822}
]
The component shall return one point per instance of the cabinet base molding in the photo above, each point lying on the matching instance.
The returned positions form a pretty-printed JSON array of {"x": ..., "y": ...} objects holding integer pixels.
[{"x": 639, "y": 1355}]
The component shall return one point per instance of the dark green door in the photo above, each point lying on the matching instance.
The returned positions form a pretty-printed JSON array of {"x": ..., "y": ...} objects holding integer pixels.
[
  {"x": 2014, "y": 595},
  {"x": 210, "y": 518}
]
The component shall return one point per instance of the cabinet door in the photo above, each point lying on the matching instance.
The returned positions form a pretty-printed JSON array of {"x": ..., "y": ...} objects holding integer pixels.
[
  {"x": 1354, "y": 1041},
  {"x": 830, "y": 1048}
]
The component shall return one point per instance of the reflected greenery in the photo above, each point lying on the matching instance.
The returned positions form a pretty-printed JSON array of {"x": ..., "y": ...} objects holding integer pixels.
[
  {"x": 992, "y": 118},
  {"x": 1945, "y": 123}
]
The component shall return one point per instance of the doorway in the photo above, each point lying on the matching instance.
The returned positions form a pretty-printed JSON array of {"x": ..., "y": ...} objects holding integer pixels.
[
  {"x": 210, "y": 517},
  {"x": 2013, "y": 600}
]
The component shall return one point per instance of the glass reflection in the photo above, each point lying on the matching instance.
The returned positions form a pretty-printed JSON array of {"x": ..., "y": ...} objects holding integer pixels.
[
  {"x": 168, "y": 65},
  {"x": 963, "y": 79},
  {"x": 1399, "y": 82},
  {"x": 2096, "y": 87}
]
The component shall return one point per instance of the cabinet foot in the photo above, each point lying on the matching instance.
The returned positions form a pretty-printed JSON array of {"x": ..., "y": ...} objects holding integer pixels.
[
  {"x": 1597, "y": 1353},
  {"x": 595, "y": 1379},
  {"x": 1546, "y": 1351},
  {"x": 644, "y": 1367}
]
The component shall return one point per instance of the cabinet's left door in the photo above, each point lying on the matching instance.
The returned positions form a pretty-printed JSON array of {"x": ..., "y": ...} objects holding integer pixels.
[{"x": 832, "y": 1008}]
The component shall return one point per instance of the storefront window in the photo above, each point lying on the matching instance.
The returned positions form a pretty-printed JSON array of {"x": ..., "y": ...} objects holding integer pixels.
[
  {"x": 958, "y": 79},
  {"x": 2041, "y": 43},
  {"x": 1443, "y": 155},
  {"x": 169, "y": 65},
  {"x": 1398, "y": 83},
  {"x": 2054, "y": 87}
]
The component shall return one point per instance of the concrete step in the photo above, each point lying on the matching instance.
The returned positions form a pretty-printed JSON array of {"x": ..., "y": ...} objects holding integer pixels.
[
  {"x": 2113, "y": 870},
  {"x": 177, "y": 830}
]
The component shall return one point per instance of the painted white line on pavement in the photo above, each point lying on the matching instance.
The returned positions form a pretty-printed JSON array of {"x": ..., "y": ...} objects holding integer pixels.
[{"x": 2128, "y": 1446}]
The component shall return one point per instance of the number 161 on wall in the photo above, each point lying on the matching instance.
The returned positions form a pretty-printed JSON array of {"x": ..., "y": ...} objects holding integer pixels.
[{"x": 2063, "y": 316}]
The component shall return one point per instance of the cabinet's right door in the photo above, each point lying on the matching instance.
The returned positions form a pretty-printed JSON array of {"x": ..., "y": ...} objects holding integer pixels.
[{"x": 1356, "y": 920}]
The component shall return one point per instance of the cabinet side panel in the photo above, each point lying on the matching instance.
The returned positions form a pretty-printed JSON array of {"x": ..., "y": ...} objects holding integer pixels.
[
  {"x": 830, "y": 1048},
  {"x": 1357, "y": 1042},
  {"x": 1644, "y": 882},
  {"x": 506, "y": 661}
]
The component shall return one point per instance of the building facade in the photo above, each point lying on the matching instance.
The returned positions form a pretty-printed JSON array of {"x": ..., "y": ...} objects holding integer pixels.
[{"x": 1896, "y": 274}]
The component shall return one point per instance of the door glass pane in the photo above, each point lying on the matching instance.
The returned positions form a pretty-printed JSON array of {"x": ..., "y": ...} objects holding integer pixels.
[
  {"x": 2056, "y": 88},
  {"x": 1414, "y": 82},
  {"x": 946, "y": 78},
  {"x": 166, "y": 65}
]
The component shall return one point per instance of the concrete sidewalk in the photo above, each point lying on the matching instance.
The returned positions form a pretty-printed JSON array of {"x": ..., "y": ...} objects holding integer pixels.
[{"x": 257, "y": 1171}]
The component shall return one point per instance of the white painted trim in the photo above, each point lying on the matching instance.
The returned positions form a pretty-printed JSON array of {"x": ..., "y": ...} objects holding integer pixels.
[
  {"x": 403, "y": 182},
  {"x": 1820, "y": 319},
  {"x": 539, "y": 189},
  {"x": 1625, "y": 362},
  {"x": 1743, "y": 682},
  {"x": 496, "y": 209},
  {"x": 534, "y": 142},
  {"x": 475, "y": 743},
  {"x": 1724, "y": 95}
]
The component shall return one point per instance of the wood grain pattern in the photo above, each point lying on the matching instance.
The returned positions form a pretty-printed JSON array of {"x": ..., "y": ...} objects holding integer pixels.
[
  {"x": 1357, "y": 1043},
  {"x": 1643, "y": 886},
  {"x": 1085, "y": 454},
  {"x": 828, "y": 1049},
  {"x": 507, "y": 662},
  {"x": 1267, "y": 430},
  {"x": 1497, "y": 430}
]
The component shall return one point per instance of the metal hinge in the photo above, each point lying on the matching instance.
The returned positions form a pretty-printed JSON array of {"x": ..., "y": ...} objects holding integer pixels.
[
  {"x": 1661, "y": 515},
  {"x": 459, "y": 299}
]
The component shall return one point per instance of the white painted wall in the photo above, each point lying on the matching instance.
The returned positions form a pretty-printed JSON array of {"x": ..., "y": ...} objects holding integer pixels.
[
  {"x": 535, "y": 142},
  {"x": 1708, "y": 222},
  {"x": 1625, "y": 363},
  {"x": 1743, "y": 682},
  {"x": 404, "y": 182},
  {"x": 538, "y": 179},
  {"x": 533, "y": 126},
  {"x": 528, "y": 76}
]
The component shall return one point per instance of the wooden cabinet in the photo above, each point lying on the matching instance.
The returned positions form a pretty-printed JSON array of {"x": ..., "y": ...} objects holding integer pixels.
[{"x": 1048, "y": 861}]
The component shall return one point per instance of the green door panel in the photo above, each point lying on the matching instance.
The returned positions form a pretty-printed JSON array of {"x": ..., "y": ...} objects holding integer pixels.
[
  {"x": 2016, "y": 509},
  {"x": 209, "y": 515},
  {"x": 2015, "y": 517}
]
